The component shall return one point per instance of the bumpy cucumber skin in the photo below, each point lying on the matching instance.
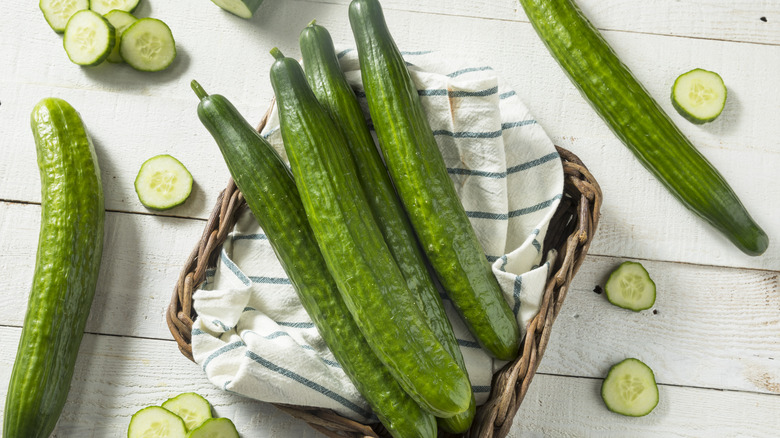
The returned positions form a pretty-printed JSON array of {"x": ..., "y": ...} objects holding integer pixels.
[
  {"x": 426, "y": 190},
  {"x": 684, "y": 112},
  {"x": 337, "y": 97},
  {"x": 70, "y": 246},
  {"x": 640, "y": 123},
  {"x": 357, "y": 256},
  {"x": 271, "y": 194}
]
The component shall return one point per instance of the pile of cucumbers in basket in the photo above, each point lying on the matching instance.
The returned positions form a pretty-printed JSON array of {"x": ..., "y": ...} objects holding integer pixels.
[{"x": 353, "y": 231}]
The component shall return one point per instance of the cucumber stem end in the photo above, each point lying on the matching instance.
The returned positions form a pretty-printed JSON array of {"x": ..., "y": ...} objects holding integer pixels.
[
  {"x": 199, "y": 91},
  {"x": 277, "y": 53}
]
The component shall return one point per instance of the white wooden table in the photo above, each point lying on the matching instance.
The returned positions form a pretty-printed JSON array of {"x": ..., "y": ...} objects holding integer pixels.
[{"x": 713, "y": 339}]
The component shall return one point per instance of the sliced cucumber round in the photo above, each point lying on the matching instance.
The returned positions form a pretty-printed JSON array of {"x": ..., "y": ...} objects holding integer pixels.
[
  {"x": 699, "y": 95},
  {"x": 191, "y": 407},
  {"x": 630, "y": 388},
  {"x": 156, "y": 422},
  {"x": 630, "y": 287},
  {"x": 148, "y": 45},
  {"x": 103, "y": 7},
  {"x": 89, "y": 38},
  {"x": 163, "y": 183},
  {"x": 242, "y": 8},
  {"x": 121, "y": 20},
  {"x": 215, "y": 428},
  {"x": 58, "y": 12}
]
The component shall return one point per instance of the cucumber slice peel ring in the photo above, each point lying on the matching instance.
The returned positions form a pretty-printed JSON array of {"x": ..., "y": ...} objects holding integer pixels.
[{"x": 163, "y": 183}]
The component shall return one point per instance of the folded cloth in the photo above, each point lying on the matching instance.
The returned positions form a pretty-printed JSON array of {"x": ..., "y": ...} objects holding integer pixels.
[{"x": 253, "y": 337}]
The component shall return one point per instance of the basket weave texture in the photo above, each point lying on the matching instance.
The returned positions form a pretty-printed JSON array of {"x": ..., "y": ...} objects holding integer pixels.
[{"x": 570, "y": 232}]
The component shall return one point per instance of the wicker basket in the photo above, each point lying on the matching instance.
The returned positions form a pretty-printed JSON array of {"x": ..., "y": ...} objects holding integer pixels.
[{"x": 571, "y": 231}]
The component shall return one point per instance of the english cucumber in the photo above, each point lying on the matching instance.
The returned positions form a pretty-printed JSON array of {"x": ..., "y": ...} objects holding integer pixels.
[
  {"x": 699, "y": 95},
  {"x": 630, "y": 389},
  {"x": 425, "y": 188},
  {"x": 337, "y": 97},
  {"x": 640, "y": 123},
  {"x": 354, "y": 250},
  {"x": 271, "y": 194},
  {"x": 67, "y": 264}
]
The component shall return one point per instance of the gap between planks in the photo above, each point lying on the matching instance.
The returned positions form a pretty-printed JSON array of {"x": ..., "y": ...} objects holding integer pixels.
[{"x": 140, "y": 213}]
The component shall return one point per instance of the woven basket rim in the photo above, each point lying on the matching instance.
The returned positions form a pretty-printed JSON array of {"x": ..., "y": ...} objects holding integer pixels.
[{"x": 570, "y": 232}]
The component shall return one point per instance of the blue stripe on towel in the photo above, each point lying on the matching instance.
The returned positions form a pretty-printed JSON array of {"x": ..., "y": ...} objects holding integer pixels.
[
  {"x": 516, "y": 294},
  {"x": 308, "y": 383},
  {"x": 468, "y": 344},
  {"x": 467, "y": 134},
  {"x": 296, "y": 324},
  {"x": 233, "y": 268},
  {"x": 480, "y": 388},
  {"x": 468, "y": 70},
  {"x": 221, "y": 351},
  {"x": 533, "y": 163},
  {"x": 511, "y": 170},
  {"x": 270, "y": 280},
  {"x": 507, "y": 95},
  {"x": 258, "y": 236},
  {"x": 513, "y": 213},
  {"x": 511, "y": 125}
]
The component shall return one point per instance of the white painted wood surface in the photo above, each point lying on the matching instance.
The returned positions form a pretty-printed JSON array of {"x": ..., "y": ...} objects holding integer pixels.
[{"x": 714, "y": 342}]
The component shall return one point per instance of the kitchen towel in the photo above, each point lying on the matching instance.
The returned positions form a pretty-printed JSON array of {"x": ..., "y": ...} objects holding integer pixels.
[{"x": 252, "y": 336}]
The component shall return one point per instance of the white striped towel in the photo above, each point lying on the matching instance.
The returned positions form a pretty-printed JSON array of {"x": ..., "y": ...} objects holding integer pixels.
[{"x": 252, "y": 337}]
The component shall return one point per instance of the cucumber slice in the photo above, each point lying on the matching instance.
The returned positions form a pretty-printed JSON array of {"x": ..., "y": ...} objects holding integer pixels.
[
  {"x": 88, "y": 38},
  {"x": 191, "y": 407},
  {"x": 699, "y": 95},
  {"x": 58, "y": 12},
  {"x": 163, "y": 183},
  {"x": 103, "y": 7},
  {"x": 630, "y": 287},
  {"x": 215, "y": 428},
  {"x": 156, "y": 422},
  {"x": 121, "y": 20},
  {"x": 630, "y": 389},
  {"x": 148, "y": 45},
  {"x": 242, "y": 8}
]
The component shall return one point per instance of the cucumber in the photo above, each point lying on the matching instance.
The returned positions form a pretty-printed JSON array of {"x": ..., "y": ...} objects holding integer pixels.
[
  {"x": 640, "y": 123},
  {"x": 699, "y": 95},
  {"x": 215, "y": 428},
  {"x": 425, "y": 188},
  {"x": 148, "y": 45},
  {"x": 58, "y": 12},
  {"x": 191, "y": 407},
  {"x": 103, "y": 7},
  {"x": 163, "y": 183},
  {"x": 66, "y": 271},
  {"x": 630, "y": 287},
  {"x": 89, "y": 38},
  {"x": 156, "y": 422},
  {"x": 241, "y": 8},
  {"x": 121, "y": 20},
  {"x": 270, "y": 192},
  {"x": 357, "y": 257},
  {"x": 630, "y": 389},
  {"x": 335, "y": 94}
]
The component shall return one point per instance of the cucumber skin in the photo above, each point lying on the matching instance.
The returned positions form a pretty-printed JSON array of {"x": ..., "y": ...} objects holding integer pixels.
[
  {"x": 67, "y": 264},
  {"x": 270, "y": 192},
  {"x": 426, "y": 190},
  {"x": 329, "y": 84},
  {"x": 640, "y": 123},
  {"x": 357, "y": 257},
  {"x": 251, "y": 5}
]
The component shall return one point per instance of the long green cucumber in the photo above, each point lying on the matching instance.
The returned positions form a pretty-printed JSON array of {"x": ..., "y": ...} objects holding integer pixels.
[
  {"x": 67, "y": 264},
  {"x": 357, "y": 256},
  {"x": 426, "y": 190},
  {"x": 640, "y": 123},
  {"x": 337, "y": 97},
  {"x": 271, "y": 194}
]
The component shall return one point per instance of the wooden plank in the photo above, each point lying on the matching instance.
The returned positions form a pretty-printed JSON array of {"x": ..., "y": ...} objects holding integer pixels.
[
  {"x": 709, "y": 327},
  {"x": 156, "y": 115},
  {"x": 142, "y": 258},
  {"x": 572, "y": 407},
  {"x": 739, "y": 20},
  {"x": 714, "y": 328},
  {"x": 117, "y": 376}
]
